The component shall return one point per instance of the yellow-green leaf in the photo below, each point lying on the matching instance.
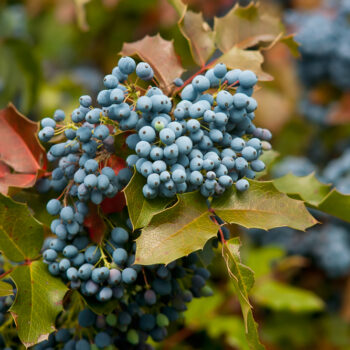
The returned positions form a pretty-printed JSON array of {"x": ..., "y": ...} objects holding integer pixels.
[
  {"x": 199, "y": 35},
  {"x": 243, "y": 279},
  {"x": 282, "y": 297},
  {"x": 308, "y": 188},
  {"x": 262, "y": 206},
  {"x": 21, "y": 236},
  {"x": 237, "y": 58},
  {"x": 38, "y": 302},
  {"x": 141, "y": 210},
  {"x": 166, "y": 64},
  {"x": 176, "y": 232},
  {"x": 5, "y": 289},
  {"x": 246, "y": 27}
]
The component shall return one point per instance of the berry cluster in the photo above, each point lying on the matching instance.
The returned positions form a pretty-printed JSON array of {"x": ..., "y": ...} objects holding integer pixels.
[
  {"x": 205, "y": 143},
  {"x": 323, "y": 35}
]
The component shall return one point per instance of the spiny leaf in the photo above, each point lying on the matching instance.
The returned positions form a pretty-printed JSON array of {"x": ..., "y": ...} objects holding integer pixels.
[
  {"x": 199, "y": 35},
  {"x": 246, "y": 59},
  {"x": 176, "y": 232},
  {"x": 308, "y": 188},
  {"x": 141, "y": 210},
  {"x": 38, "y": 302},
  {"x": 21, "y": 236},
  {"x": 316, "y": 194},
  {"x": 268, "y": 157},
  {"x": 289, "y": 41},
  {"x": 246, "y": 27},
  {"x": 25, "y": 156},
  {"x": 262, "y": 206},
  {"x": 166, "y": 64},
  {"x": 243, "y": 280},
  {"x": 5, "y": 289},
  {"x": 282, "y": 297}
]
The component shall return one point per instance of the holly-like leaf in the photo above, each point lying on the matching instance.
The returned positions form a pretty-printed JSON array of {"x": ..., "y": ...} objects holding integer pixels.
[
  {"x": 282, "y": 297},
  {"x": 289, "y": 41},
  {"x": 166, "y": 64},
  {"x": 246, "y": 27},
  {"x": 307, "y": 188},
  {"x": 243, "y": 279},
  {"x": 21, "y": 236},
  {"x": 121, "y": 146},
  {"x": 38, "y": 301},
  {"x": 262, "y": 206},
  {"x": 5, "y": 289},
  {"x": 268, "y": 157},
  {"x": 316, "y": 194},
  {"x": 199, "y": 35},
  {"x": 141, "y": 210},
  {"x": 176, "y": 232},
  {"x": 236, "y": 58},
  {"x": 20, "y": 150}
]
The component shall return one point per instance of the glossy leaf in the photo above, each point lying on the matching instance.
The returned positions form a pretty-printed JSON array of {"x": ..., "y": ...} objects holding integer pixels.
[
  {"x": 199, "y": 35},
  {"x": 38, "y": 302},
  {"x": 176, "y": 232},
  {"x": 246, "y": 27},
  {"x": 282, "y": 297},
  {"x": 316, "y": 194},
  {"x": 21, "y": 236},
  {"x": 25, "y": 155},
  {"x": 5, "y": 289},
  {"x": 166, "y": 64},
  {"x": 95, "y": 224},
  {"x": 246, "y": 59},
  {"x": 243, "y": 279},
  {"x": 262, "y": 206},
  {"x": 307, "y": 188},
  {"x": 141, "y": 210}
]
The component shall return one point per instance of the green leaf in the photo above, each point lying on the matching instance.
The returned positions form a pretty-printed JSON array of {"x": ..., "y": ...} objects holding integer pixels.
[
  {"x": 293, "y": 46},
  {"x": 141, "y": 210},
  {"x": 246, "y": 27},
  {"x": 262, "y": 206},
  {"x": 260, "y": 259},
  {"x": 268, "y": 157},
  {"x": 243, "y": 279},
  {"x": 166, "y": 64},
  {"x": 5, "y": 289},
  {"x": 38, "y": 302},
  {"x": 120, "y": 144},
  {"x": 206, "y": 255},
  {"x": 176, "y": 232},
  {"x": 282, "y": 297},
  {"x": 246, "y": 59},
  {"x": 199, "y": 35},
  {"x": 315, "y": 194},
  {"x": 307, "y": 188},
  {"x": 21, "y": 236}
]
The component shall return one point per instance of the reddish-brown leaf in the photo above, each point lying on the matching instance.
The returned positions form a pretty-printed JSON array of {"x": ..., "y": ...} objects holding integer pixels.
[
  {"x": 95, "y": 225},
  {"x": 160, "y": 54},
  {"x": 341, "y": 113},
  {"x": 21, "y": 154},
  {"x": 116, "y": 163},
  {"x": 114, "y": 205}
]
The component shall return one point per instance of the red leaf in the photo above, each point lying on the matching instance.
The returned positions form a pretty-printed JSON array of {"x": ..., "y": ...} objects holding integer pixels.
[
  {"x": 21, "y": 154},
  {"x": 114, "y": 205},
  {"x": 95, "y": 225},
  {"x": 116, "y": 163}
]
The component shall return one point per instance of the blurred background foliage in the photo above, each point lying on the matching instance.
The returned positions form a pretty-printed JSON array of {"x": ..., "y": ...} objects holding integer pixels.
[{"x": 53, "y": 51}]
